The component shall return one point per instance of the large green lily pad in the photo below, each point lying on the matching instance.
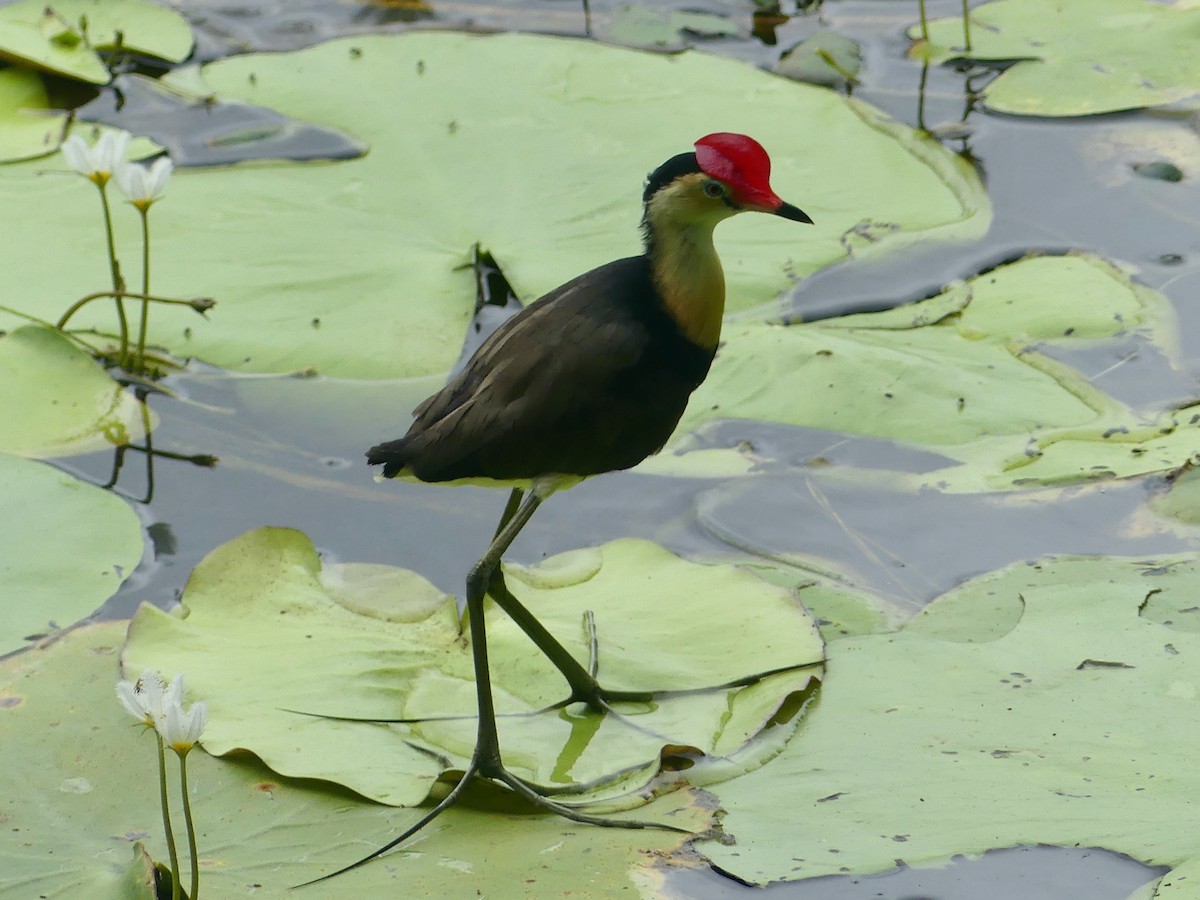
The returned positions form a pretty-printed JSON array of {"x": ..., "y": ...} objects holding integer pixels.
[
  {"x": 80, "y": 779},
  {"x": 62, "y": 36},
  {"x": 265, "y": 630},
  {"x": 1079, "y": 57},
  {"x": 28, "y": 126},
  {"x": 56, "y": 401},
  {"x": 67, "y": 546},
  {"x": 1181, "y": 499},
  {"x": 537, "y": 147},
  {"x": 1047, "y": 703},
  {"x": 957, "y": 373}
]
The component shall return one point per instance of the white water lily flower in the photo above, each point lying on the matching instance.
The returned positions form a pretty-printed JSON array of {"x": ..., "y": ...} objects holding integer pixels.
[
  {"x": 180, "y": 730},
  {"x": 143, "y": 185},
  {"x": 144, "y": 698},
  {"x": 96, "y": 163}
]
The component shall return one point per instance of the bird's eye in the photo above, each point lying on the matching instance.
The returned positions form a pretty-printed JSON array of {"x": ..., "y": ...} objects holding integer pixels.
[{"x": 714, "y": 189}]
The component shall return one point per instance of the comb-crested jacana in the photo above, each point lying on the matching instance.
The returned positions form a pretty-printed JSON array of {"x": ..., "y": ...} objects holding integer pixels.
[{"x": 591, "y": 378}]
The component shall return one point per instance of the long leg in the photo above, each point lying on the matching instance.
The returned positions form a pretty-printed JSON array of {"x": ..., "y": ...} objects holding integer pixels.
[
  {"x": 485, "y": 760},
  {"x": 582, "y": 682}
]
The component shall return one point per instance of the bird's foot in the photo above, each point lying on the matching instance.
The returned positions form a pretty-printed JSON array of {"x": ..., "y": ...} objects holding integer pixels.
[{"x": 489, "y": 766}]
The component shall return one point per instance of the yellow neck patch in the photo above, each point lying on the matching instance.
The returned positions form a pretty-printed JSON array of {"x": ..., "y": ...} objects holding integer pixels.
[{"x": 684, "y": 262}]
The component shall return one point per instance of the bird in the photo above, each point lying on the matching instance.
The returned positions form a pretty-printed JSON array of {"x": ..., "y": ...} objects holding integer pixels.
[{"x": 591, "y": 378}]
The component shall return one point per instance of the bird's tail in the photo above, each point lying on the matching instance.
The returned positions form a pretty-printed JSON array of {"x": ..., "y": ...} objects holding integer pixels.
[{"x": 391, "y": 455}]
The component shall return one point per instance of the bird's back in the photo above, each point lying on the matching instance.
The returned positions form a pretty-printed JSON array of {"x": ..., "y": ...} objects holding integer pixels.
[{"x": 591, "y": 378}]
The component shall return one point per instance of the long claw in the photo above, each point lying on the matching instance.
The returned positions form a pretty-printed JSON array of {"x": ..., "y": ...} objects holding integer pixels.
[
  {"x": 519, "y": 786},
  {"x": 444, "y": 804},
  {"x": 573, "y": 813}
]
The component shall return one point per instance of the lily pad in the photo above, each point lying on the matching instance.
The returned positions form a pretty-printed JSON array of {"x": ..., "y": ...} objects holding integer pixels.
[
  {"x": 67, "y": 548},
  {"x": 648, "y": 26},
  {"x": 28, "y": 127},
  {"x": 88, "y": 789},
  {"x": 1044, "y": 726},
  {"x": 62, "y": 36},
  {"x": 957, "y": 373},
  {"x": 1182, "y": 500},
  {"x": 825, "y": 58},
  {"x": 1078, "y": 57},
  {"x": 261, "y": 609},
  {"x": 373, "y": 249},
  {"x": 55, "y": 400}
]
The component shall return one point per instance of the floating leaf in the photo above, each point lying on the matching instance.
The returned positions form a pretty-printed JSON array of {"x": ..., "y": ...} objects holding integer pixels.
[
  {"x": 28, "y": 127},
  {"x": 67, "y": 546},
  {"x": 88, "y": 790},
  {"x": 1182, "y": 501},
  {"x": 261, "y": 609},
  {"x": 956, "y": 373},
  {"x": 1025, "y": 707},
  {"x": 374, "y": 248},
  {"x": 56, "y": 401},
  {"x": 1078, "y": 57},
  {"x": 825, "y": 58},
  {"x": 62, "y": 36},
  {"x": 647, "y": 26}
]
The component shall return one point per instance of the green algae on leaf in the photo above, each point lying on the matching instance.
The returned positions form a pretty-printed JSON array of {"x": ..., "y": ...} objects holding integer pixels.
[
  {"x": 1026, "y": 706},
  {"x": 67, "y": 546},
  {"x": 1079, "y": 57},
  {"x": 265, "y": 630},
  {"x": 87, "y": 776}
]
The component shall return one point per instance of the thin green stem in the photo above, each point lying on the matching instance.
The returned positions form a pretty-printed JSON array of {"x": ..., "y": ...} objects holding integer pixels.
[
  {"x": 117, "y": 281},
  {"x": 924, "y": 20},
  {"x": 966, "y": 8},
  {"x": 200, "y": 304},
  {"x": 191, "y": 830},
  {"x": 162, "y": 796},
  {"x": 140, "y": 361}
]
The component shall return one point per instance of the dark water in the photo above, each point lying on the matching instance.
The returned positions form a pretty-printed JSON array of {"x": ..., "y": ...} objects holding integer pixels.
[{"x": 291, "y": 449}]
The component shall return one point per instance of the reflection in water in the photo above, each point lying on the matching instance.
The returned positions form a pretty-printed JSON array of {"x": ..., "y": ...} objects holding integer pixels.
[{"x": 204, "y": 460}]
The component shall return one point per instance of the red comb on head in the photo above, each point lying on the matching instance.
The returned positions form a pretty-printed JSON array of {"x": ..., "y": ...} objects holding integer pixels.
[{"x": 740, "y": 162}]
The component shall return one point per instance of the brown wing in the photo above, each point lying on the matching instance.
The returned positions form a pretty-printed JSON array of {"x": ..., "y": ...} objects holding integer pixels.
[{"x": 520, "y": 405}]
